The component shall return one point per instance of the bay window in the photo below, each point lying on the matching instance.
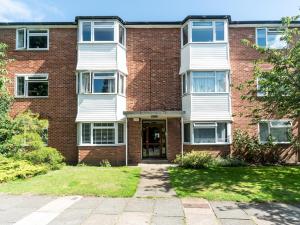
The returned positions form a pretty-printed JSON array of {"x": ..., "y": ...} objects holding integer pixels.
[
  {"x": 102, "y": 133},
  {"x": 101, "y": 83},
  {"x": 279, "y": 131},
  {"x": 206, "y": 133},
  {"x": 35, "y": 85},
  {"x": 32, "y": 39},
  {"x": 208, "y": 31},
  {"x": 102, "y": 31},
  {"x": 269, "y": 38},
  {"x": 210, "y": 82}
]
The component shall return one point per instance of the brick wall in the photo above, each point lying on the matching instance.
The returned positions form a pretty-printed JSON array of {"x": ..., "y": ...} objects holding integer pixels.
[
  {"x": 174, "y": 138},
  {"x": 61, "y": 105},
  {"x": 134, "y": 141},
  {"x": 153, "y": 61},
  {"x": 93, "y": 155}
]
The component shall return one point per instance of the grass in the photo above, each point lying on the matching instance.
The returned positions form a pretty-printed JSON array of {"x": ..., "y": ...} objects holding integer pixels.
[
  {"x": 12, "y": 169},
  {"x": 243, "y": 184},
  {"x": 80, "y": 180}
]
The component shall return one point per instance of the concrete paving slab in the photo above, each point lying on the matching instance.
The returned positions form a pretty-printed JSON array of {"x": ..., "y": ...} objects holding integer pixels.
[
  {"x": 13, "y": 215},
  {"x": 164, "y": 220},
  {"x": 10, "y": 201},
  {"x": 168, "y": 207},
  {"x": 101, "y": 219},
  {"x": 228, "y": 210},
  {"x": 200, "y": 219},
  {"x": 134, "y": 218},
  {"x": 87, "y": 203},
  {"x": 236, "y": 222},
  {"x": 140, "y": 205},
  {"x": 72, "y": 217},
  {"x": 111, "y": 206}
]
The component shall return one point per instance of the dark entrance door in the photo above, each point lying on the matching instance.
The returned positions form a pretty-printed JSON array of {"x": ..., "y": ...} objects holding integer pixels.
[{"x": 154, "y": 139}]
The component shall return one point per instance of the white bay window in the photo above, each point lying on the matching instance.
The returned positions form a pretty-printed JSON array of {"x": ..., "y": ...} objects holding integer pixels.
[
  {"x": 102, "y": 133},
  {"x": 206, "y": 133},
  {"x": 101, "y": 83}
]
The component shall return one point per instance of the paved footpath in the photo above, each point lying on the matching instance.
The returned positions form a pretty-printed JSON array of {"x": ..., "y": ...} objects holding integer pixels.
[{"x": 155, "y": 203}]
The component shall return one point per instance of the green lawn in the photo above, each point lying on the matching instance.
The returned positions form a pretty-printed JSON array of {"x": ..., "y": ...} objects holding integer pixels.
[
  {"x": 244, "y": 184},
  {"x": 80, "y": 180}
]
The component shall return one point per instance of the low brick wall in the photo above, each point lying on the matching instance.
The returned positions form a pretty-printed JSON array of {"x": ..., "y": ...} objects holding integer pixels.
[
  {"x": 217, "y": 150},
  {"x": 93, "y": 155}
]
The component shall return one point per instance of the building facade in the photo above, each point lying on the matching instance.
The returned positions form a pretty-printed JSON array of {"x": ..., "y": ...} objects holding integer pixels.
[{"x": 132, "y": 91}]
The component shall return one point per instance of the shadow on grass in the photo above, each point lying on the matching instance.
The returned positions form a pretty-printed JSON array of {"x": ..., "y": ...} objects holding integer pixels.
[{"x": 250, "y": 184}]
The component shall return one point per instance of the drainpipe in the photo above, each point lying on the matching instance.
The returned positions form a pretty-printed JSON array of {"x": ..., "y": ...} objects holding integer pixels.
[
  {"x": 181, "y": 139},
  {"x": 126, "y": 153}
]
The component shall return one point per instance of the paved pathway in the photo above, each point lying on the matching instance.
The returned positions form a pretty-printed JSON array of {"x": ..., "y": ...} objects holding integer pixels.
[{"x": 155, "y": 203}]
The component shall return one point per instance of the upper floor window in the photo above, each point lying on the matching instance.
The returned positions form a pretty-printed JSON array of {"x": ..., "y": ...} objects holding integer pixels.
[
  {"x": 102, "y": 31},
  {"x": 278, "y": 130},
  {"x": 269, "y": 38},
  {"x": 208, "y": 31},
  {"x": 101, "y": 82},
  {"x": 209, "y": 82},
  {"x": 35, "y": 85},
  {"x": 32, "y": 39},
  {"x": 185, "y": 34}
]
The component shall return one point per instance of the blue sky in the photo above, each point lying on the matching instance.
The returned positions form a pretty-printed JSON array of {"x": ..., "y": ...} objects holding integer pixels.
[{"x": 144, "y": 10}]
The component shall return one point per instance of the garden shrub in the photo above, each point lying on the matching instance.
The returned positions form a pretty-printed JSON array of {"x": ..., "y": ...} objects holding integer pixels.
[
  {"x": 195, "y": 160},
  {"x": 105, "y": 163},
  {"x": 12, "y": 169},
  {"x": 46, "y": 155},
  {"x": 229, "y": 162},
  {"x": 249, "y": 149}
]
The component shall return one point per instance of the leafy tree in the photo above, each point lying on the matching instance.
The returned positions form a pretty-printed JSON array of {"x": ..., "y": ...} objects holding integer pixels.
[{"x": 281, "y": 80}]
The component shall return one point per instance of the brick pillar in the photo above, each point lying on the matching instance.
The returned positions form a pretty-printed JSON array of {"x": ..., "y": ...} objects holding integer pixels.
[
  {"x": 134, "y": 141},
  {"x": 174, "y": 138}
]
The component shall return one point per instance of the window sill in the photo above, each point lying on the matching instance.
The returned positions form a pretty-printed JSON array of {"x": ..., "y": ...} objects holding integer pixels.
[
  {"x": 32, "y": 49},
  {"x": 276, "y": 143},
  {"x": 26, "y": 97},
  {"x": 100, "y": 145},
  {"x": 212, "y": 43}
]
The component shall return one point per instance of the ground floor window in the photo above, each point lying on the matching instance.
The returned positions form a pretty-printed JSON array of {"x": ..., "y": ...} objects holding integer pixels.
[
  {"x": 277, "y": 130},
  {"x": 206, "y": 133},
  {"x": 33, "y": 85},
  {"x": 102, "y": 133}
]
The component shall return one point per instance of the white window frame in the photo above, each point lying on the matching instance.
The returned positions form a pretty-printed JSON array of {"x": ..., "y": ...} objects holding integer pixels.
[
  {"x": 119, "y": 84},
  {"x": 26, "y": 84},
  {"x": 269, "y": 122},
  {"x": 208, "y": 124},
  {"x": 215, "y": 74},
  {"x": 124, "y": 45},
  {"x": 266, "y": 30},
  {"x": 191, "y": 27},
  {"x": 17, "y": 38},
  {"x": 115, "y": 127}
]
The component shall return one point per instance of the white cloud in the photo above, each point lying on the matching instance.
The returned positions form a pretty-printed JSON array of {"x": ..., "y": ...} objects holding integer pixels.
[{"x": 15, "y": 10}]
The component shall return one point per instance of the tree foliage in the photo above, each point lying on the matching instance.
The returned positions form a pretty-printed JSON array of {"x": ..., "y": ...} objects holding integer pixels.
[{"x": 278, "y": 72}]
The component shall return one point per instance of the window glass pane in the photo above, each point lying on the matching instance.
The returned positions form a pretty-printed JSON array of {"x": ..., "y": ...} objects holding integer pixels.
[
  {"x": 202, "y": 35},
  {"x": 121, "y": 35},
  {"x": 202, "y": 24},
  {"x": 204, "y": 135},
  {"x": 203, "y": 82},
  {"x": 38, "y": 88},
  {"x": 38, "y": 31},
  {"x": 103, "y": 34},
  {"x": 261, "y": 37},
  {"x": 185, "y": 32},
  {"x": 220, "y": 31},
  {"x": 103, "y": 74},
  {"x": 20, "y": 86},
  {"x": 21, "y": 40},
  {"x": 85, "y": 83},
  {"x": 103, "y": 136},
  {"x": 38, "y": 41},
  {"x": 104, "y": 85},
  {"x": 121, "y": 84},
  {"x": 274, "y": 40},
  {"x": 279, "y": 123},
  {"x": 280, "y": 134},
  {"x": 44, "y": 136},
  {"x": 86, "y": 31},
  {"x": 221, "y": 81},
  {"x": 86, "y": 133},
  {"x": 187, "y": 132},
  {"x": 222, "y": 132},
  {"x": 120, "y": 133},
  {"x": 183, "y": 84},
  {"x": 263, "y": 131}
]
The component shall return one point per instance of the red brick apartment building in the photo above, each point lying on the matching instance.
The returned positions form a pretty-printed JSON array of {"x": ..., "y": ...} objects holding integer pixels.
[{"x": 130, "y": 91}]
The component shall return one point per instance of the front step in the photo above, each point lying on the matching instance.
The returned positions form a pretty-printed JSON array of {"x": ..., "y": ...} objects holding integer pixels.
[{"x": 154, "y": 161}]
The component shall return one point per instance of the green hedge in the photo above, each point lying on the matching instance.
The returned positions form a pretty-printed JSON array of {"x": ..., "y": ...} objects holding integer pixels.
[{"x": 12, "y": 169}]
